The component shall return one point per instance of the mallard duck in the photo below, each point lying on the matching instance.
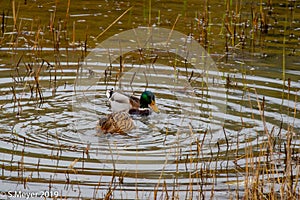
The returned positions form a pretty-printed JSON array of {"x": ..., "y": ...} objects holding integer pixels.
[
  {"x": 118, "y": 122},
  {"x": 131, "y": 104}
]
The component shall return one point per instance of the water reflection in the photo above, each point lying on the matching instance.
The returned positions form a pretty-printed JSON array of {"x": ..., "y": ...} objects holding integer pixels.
[{"x": 47, "y": 145}]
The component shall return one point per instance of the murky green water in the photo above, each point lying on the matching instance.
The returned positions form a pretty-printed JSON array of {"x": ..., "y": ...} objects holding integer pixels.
[{"x": 192, "y": 149}]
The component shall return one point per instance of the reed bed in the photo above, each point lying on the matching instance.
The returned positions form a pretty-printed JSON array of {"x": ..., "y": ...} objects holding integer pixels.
[{"x": 269, "y": 170}]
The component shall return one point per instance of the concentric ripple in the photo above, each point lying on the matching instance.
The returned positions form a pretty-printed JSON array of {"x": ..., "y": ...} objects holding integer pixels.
[{"x": 48, "y": 144}]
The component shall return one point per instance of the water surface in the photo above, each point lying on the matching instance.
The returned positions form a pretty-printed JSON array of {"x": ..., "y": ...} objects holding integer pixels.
[{"x": 48, "y": 139}]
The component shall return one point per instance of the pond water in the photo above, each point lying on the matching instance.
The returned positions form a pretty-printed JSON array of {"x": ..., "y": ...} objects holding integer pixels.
[{"x": 228, "y": 125}]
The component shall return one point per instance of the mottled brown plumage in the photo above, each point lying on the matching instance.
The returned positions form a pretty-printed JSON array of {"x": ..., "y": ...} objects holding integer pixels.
[{"x": 119, "y": 122}]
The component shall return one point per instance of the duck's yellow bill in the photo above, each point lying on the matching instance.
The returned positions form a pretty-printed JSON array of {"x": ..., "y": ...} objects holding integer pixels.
[{"x": 154, "y": 107}]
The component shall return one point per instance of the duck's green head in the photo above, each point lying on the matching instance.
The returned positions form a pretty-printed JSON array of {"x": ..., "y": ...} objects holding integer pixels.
[{"x": 148, "y": 99}]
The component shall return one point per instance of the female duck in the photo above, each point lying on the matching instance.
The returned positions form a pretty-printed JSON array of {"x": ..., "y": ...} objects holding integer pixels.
[
  {"x": 131, "y": 104},
  {"x": 118, "y": 122}
]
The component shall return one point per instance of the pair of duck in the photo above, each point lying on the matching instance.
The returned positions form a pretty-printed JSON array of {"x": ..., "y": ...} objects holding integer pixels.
[{"x": 123, "y": 106}]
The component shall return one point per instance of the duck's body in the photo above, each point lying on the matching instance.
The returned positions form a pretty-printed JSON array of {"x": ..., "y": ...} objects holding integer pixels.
[
  {"x": 121, "y": 102},
  {"x": 133, "y": 105},
  {"x": 118, "y": 122}
]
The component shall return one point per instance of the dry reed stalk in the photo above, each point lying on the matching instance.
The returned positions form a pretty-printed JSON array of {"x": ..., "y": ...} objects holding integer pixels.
[
  {"x": 50, "y": 183},
  {"x": 205, "y": 26},
  {"x": 14, "y": 13},
  {"x": 53, "y": 17},
  {"x": 288, "y": 164},
  {"x": 74, "y": 33},
  {"x": 3, "y": 24},
  {"x": 19, "y": 80},
  {"x": 172, "y": 29},
  {"x": 97, "y": 187},
  {"x": 36, "y": 41},
  {"x": 146, "y": 79},
  {"x": 16, "y": 101},
  {"x": 116, "y": 20},
  {"x": 132, "y": 79},
  {"x": 155, "y": 190},
  {"x": 21, "y": 167},
  {"x": 67, "y": 14},
  {"x": 68, "y": 180},
  {"x": 166, "y": 189},
  {"x": 248, "y": 148},
  {"x": 51, "y": 22},
  {"x": 149, "y": 13},
  {"x": 38, "y": 167},
  {"x": 190, "y": 162},
  {"x": 85, "y": 45},
  {"x": 112, "y": 186},
  {"x": 37, "y": 82},
  {"x": 82, "y": 159},
  {"x": 227, "y": 20}
]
